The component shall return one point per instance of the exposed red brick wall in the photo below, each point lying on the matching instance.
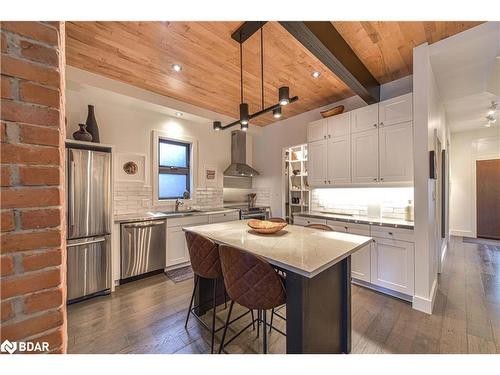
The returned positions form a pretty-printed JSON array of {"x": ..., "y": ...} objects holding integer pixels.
[{"x": 33, "y": 252}]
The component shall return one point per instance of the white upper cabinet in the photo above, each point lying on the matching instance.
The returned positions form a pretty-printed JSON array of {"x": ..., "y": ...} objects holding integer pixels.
[
  {"x": 364, "y": 118},
  {"x": 396, "y": 153},
  {"x": 364, "y": 156},
  {"x": 339, "y": 125},
  {"x": 339, "y": 160},
  {"x": 317, "y": 163},
  {"x": 317, "y": 130},
  {"x": 396, "y": 110}
]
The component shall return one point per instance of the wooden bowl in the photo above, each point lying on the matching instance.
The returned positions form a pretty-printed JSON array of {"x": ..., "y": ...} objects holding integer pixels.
[
  {"x": 333, "y": 111},
  {"x": 266, "y": 227}
]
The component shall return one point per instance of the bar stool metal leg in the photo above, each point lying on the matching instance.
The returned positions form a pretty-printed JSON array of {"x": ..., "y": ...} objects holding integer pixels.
[
  {"x": 264, "y": 331},
  {"x": 192, "y": 299},
  {"x": 213, "y": 317},
  {"x": 225, "y": 327}
]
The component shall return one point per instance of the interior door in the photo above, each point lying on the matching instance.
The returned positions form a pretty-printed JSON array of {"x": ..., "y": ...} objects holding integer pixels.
[
  {"x": 88, "y": 186},
  {"x": 364, "y": 153},
  {"x": 488, "y": 198},
  {"x": 317, "y": 154}
]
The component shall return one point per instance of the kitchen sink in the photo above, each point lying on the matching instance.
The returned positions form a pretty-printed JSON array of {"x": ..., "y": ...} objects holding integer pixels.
[{"x": 180, "y": 212}]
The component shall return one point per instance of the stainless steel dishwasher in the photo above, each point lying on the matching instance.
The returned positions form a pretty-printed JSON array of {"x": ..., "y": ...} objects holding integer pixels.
[{"x": 143, "y": 246}]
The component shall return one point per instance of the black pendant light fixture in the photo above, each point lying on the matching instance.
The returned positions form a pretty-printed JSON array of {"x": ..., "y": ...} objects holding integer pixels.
[{"x": 245, "y": 116}]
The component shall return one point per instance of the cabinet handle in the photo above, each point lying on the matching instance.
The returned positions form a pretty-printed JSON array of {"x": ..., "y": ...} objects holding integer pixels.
[
  {"x": 346, "y": 228},
  {"x": 381, "y": 123},
  {"x": 329, "y": 136},
  {"x": 390, "y": 233},
  {"x": 324, "y": 181},
  {"x": 329, "y": 182},
  {"x": 381, "y": 179},
  {"x": 374, "y": 125},
  {"x": 324, "y": 137},
  {"x": 374, "y": 179}
]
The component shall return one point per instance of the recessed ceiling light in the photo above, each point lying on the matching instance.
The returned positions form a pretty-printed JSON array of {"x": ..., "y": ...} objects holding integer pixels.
[
  {"x": 315, "y": 74},
  {"x": 176, "y": 67},
  {"x": 178, "y": 114}
]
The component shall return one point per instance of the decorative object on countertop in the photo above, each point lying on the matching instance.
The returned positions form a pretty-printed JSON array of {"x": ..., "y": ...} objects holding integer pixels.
[
  {"x": 180, "y": 274},
  {"x": 251, "y": 199},
  {"x": 333, "y": 111},
  {"x": 82, "y": 134},
  {"x": 92, "y": 125},
  {"x": 409, "y": 211},
  {"x": 266, "y": 226}
]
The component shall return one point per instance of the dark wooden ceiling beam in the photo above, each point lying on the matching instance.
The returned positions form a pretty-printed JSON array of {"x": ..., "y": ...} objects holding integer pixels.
[
  {"x": 246, "y": 30},
  {"x": 325, "y": 42}
]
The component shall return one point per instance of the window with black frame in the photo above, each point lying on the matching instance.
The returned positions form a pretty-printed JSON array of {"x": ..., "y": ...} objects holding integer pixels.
[{"x": 174, "y": 174}]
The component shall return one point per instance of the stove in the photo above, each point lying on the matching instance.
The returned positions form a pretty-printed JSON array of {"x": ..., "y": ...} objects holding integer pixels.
[{"x": 246, "y": 212}]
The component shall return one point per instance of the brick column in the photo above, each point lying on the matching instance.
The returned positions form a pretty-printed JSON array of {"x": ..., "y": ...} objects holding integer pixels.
[{"x": 33, "y": 253}]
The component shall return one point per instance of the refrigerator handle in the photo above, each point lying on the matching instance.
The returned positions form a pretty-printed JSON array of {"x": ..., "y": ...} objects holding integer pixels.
[
  {"x": 71, "y": 191},
  {"x": 97, "y": 240}
]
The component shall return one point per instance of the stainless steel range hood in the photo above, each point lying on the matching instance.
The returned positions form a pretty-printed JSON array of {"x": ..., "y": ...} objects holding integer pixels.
[{"x": 239, "y": 166}]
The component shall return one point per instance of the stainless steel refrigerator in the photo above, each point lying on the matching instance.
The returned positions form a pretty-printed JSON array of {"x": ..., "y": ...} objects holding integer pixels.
[{"x": 88, "y": 222}]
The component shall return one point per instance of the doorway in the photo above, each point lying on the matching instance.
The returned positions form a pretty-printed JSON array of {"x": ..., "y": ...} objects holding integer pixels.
[{"x": 488, "y": 198}]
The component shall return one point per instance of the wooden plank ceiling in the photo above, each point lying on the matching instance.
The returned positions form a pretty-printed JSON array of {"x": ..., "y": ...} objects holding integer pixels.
[{"x": 141, "y": 54}]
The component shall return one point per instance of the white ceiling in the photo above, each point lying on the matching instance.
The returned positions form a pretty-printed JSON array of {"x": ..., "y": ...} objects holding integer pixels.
[{"x": 466, "y": 67}]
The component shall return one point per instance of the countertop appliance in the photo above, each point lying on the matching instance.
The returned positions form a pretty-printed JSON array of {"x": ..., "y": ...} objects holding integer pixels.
[
  {"x": 88, "y": 185},
  {"x": 143, "y": 248},
  {"x": 247, "y": 212}
]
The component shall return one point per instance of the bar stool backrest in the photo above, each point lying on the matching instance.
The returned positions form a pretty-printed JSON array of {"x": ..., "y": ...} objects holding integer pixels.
[
  {"x": 204, "y": 256},
  {"x": 250, "y": 280}
]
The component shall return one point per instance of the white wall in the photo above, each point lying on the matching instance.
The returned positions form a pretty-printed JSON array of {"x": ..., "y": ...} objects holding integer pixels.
[
  {"x": 466, "y": 148},
  {"x": 429, "y": 121},
  {"x": 127, "y": 123},
  {"x": 270, "y": 141}
]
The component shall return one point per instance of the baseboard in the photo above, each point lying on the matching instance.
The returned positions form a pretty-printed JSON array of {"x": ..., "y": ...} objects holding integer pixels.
[
  {"x": 461, "y": 233},
  {"x": 425, "y": 304}
]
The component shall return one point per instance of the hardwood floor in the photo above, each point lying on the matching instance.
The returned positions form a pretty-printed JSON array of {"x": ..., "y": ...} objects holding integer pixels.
[{"x": 148, "y": 316}]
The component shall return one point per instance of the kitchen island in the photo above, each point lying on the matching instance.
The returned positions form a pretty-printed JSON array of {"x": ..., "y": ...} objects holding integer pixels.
[{"x": 318, "y": 279}]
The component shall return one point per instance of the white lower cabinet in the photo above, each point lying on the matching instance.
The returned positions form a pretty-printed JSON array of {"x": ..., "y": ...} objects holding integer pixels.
[
  {"x": 303, "y": 221},
  {"x": 392, "y": 265},
  {"x": 177, "y": 251}
]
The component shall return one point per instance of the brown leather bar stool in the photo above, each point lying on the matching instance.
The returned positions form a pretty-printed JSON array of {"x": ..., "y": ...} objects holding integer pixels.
[
  {"x": 320, "y": 227},
  {"x": 205, "y": 262},
  {"x": 277, "y": 220},
  {"x": 253, "y": 283}
]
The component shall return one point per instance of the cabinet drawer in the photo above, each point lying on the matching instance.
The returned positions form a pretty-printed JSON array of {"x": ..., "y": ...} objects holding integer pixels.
[
  {"x": 222, "y": 217},
  {"x": 300, "y": 220},
  {"x": 187, "y": 221},
  {"x": 400, "y": 234},
  {"x": 353, "y": 228}
]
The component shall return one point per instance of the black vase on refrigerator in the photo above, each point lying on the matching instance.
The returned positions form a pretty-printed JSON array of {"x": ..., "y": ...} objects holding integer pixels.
[{"x": 88, "y": 222}]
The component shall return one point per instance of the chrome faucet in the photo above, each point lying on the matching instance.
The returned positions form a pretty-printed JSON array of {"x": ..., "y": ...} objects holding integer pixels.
[{"x": 177, "y": 204}]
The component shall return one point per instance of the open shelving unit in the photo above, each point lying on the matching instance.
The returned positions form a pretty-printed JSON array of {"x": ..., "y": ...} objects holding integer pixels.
[{"x": 296, "y": 184}]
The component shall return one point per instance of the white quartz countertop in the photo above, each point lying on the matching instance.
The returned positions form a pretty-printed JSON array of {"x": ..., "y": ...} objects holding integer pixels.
[
  {"x": 158, "y": 215},
  {"x": 386, "y": 222},
  {"x": 298, "y": 249}
]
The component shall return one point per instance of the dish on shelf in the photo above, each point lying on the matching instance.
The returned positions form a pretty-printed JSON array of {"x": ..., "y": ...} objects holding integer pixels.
[
  {"x": 266, "y": 227},
  {"x": 333, "y": 111}
]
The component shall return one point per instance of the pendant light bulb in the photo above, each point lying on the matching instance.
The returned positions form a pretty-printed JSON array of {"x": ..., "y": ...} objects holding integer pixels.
[
  {"x": 284, "y": 95},
  {"x": 244, "y": 127},
  {"x": 217, "y": 125},
  {"x": 244, "y": 117},
  {"x": 277, "y": 112}
]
